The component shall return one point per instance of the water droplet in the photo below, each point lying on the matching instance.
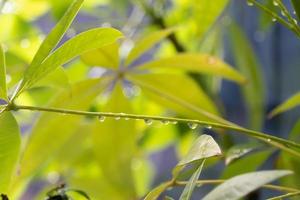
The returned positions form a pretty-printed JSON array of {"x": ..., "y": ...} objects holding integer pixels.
[
  {"x": 165, "y": 122},
  {"x": 282, "y": 13},
  {"x": 275, "y": 3},
  {"x": 148, "y": 121},
  {"x": 101, "y": 118},
  {"x": 208, "y": 127},
  {"x": 250, "y": 3},
  {"x": 193, "y": 125},
  {"x": 126, "y": 118},
  {"x": 269, "y": 140},
  {"x": 295, "y": 21},
  {"x": 274, "y": 19},
  {"x": 174, "y": 122},
  {"x": 117, "y": 118},
  {"x": 294, "y": 12}
]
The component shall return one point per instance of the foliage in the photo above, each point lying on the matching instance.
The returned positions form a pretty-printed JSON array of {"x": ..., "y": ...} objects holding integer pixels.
[{"x": 102, "y": 98}]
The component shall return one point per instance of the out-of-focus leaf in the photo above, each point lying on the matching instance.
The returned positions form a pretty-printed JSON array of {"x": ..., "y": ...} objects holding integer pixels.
[
  {"x": 246, "y": 164},
  {"x": 239, "y": 186},
  {"x": 238, "y": 151},
  {"x": 247, "y": 63},
  {"x": 51, "y": 41},
  {"x": 204, "y": 147},
  {"x": 168, "y": 198},
  {"x": 182, "y": 94},
  {"x": 199, "y": 63},
  {"x": 146, "y": 43},
  {"x": 114, "y": 145},
  {"x": 10, "y": 140},
  {"x": 154, "y": 194},
  {"x": 3, "y": 88},
  {"x": 106, "y": 56},
  {"x": 88, "y": 40},
  {"x": 46, "y": 138},
  {"x": 290, "y": 103},
  {"x": 58, "y": 79},
  {"x": 296, "y": 5},
  {"x": 189, "y": 188}
]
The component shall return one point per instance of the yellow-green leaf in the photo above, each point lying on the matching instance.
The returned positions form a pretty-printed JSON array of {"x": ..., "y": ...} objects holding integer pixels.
[
  {"x": 106, "y": 56},
  {"x": 145, "y": 44},
  {"x": 290, "y": 103},
  {"x": 199, "y": 63},
  {"x": 10, "y": 140},
  {"x": 83, "y": 42},
  {"x": 3, "y": 89},
  {"x": 156, "y": 192}
]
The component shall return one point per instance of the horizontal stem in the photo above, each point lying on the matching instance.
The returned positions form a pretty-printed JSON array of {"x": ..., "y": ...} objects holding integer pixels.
[
  {"x": 272, "y": 140},
  {"x": 219, "y": 181},
  {"x": 292, "y": 194}
]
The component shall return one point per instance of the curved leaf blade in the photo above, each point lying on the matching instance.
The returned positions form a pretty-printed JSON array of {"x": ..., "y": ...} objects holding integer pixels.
[
  {"x": 199, "y": 63},
  {"x": 289, "y": 104},
  {"x": 10, "y": 141},
  {"x": 156, "y": 192},
  {"x": 3, "y": 87},
  {"x": 83, "y": 42},
  {"x": 147, "y": 43},
  {"x": 239, "y": 186}
]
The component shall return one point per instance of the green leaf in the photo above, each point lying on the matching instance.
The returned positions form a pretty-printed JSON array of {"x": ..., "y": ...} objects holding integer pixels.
[
  {"x": 247, "y": 63},
  {"x": 156, "y": 192},
  {"x": 237, "y": 151},
  {"x": 296, "y": 5},
  {"x": 114, "y": 145},
  {"x": 204, "y": 147},
  {"x": 246, "y": 164},
  {"x": 46, "y": 139},
  {"x": 106, "y": 56},
  {"x": 3, "y": 87},
  {"x": 199, "y": 63},
  {"x": 290, "y": 103},
  {"x": 189, "y": 188},
  {"x": 182, "y": 95},
  {"x": 146, "y": 43},
  {"x": 239, "y": 186},
  {"x": 83, "y": 42},
  {"x": 10, "y": 141}
]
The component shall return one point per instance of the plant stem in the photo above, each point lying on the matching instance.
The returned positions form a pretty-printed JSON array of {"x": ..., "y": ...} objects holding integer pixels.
[
  {"x": 219, "y": 181},
  {"x": 272, "y": 140},
  {"x": 285, "y": 196}
]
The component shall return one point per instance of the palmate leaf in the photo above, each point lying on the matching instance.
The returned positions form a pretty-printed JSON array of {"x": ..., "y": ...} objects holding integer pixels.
[
  {"x": 146, "y": 43},
  {"x": 198, "y": 63},
  {"x": 83, "y": 42},
  {"x": 246, "y": 61},
  {"x": 10, "y": 140},
  {"x": 114, "y": 145},
  {"x": 3, "y": 88},
  {"x": 46, "y": 138},
  {"x": 290, "y": 103},
  {"x": 239, "y": 186}
]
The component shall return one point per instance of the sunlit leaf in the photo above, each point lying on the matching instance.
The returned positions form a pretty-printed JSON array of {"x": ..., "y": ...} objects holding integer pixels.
[
  {"x": 246, "y": 61},
  {"x": 296, "y": 5},
  {"x": 145, "y": 44},
  {"x": 204, "y": 147},
  {"x": 199, "y": 63},
  {"x": 10, "y": 140},
  {"x": 156, "y": 192},
  {"x": 238, "y": 151},
  {"x": 239, "y": 186},
  {"x": 83, "y": 42},
  {"x": 3, "y": 88},
  {"x": 114, "y": 145},
  {"x": 106, "y": 56},
  {"x": 189, "y": 188},
  {"x": 290, "y": 103}
]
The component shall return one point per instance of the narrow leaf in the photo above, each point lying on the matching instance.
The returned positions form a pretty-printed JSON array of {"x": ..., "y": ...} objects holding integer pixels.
[
  {"x": 204, "y": 147},
  {"x": 88, "y": 40},
  {"x": 3, "y": 87},
  {"x": 199, "y": 63},
  {"x": 154, "y": 194},
  {"x": 239, "y": 186},
  {"x": 10, "y": 140},
  {"x": 146, "y": 43},
  {"x": 290, "y": 103},
  {"x": 296, "y": 5},
  {"x": 189, "y": 188}
]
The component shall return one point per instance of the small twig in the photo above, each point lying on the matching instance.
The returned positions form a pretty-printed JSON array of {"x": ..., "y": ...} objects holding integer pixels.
[{"x": 292, "y": 194}]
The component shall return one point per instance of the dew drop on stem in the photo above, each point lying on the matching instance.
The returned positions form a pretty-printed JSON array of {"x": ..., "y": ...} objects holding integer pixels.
[
  {"x": 192, "y": 125},
  {"x": 117, "y": 118},
  {"x": 249, "y": 3},
  {"x": 148, "y": 121},
  {"x": 274, "y": 19},
  {"x": 275, "y": 3},
  {"x": 208, "y": 127},
  {"x": 101, "y": 118},
  {"x": 165, "y": 122}
]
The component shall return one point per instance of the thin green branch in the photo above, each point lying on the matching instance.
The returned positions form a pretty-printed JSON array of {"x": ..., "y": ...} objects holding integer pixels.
[
  {"x": 292, "y": 194},
  {"x": 274, "y": 15},
  {"x": 219, "y": 181},
  {"x": 269, "y": 139}
]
